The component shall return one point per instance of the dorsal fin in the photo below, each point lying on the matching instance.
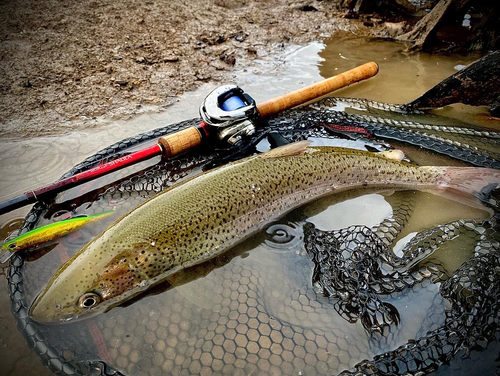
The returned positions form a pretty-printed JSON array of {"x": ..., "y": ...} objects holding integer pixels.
[
  {"x": 395, "y": 155},
  {"x": 294, "y": 148}
]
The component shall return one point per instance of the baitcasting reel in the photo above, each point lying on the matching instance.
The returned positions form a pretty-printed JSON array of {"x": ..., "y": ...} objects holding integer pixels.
[{"x": 230, "y": 113}]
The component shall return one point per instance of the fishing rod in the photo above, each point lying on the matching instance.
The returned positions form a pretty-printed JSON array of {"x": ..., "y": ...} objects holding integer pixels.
[{"x": 228, "y": 116}]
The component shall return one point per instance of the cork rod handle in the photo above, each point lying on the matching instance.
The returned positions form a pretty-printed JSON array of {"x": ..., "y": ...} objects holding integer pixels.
[
  {"x": 180, "y": 142},
  {"x": 316, "y": 90}
]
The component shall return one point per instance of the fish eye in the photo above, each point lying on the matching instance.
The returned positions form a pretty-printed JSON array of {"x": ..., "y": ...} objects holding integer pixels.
[
  {"x": 12, "y": 245},
  {"x": 89, "y": 300}
]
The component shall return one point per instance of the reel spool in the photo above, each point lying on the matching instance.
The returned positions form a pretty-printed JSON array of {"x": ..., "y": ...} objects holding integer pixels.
[{"x": 230, "y": 113}]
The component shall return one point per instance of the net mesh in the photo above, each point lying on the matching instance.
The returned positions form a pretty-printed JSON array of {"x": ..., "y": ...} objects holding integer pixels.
[{"x": 354, "y": 270}]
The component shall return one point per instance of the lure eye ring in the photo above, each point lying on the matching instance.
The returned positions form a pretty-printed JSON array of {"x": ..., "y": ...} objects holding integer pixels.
[
  {"x": 89, "y": 300},
  {"x": 12, "y": 245}
]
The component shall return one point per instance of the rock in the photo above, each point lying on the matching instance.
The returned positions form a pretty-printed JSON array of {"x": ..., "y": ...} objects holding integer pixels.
[
  {"x": 211, "y": 40},
  {"x": 218, "y": 65},
  {"x": 121, "y": 82},
  {"x": 170, "y": 59},
  {"x": 228, "y": 59},
  {"x": 199, "y": 45},
  {"x": 394, "y": 28},
  {"x": 241, "y": 36}
]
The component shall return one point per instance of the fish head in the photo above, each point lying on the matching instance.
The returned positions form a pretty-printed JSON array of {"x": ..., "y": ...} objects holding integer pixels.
[{"x": 83, "y": 288}]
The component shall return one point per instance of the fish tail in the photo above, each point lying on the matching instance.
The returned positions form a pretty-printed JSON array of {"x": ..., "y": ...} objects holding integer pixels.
[{"x": 480, "y": 182}]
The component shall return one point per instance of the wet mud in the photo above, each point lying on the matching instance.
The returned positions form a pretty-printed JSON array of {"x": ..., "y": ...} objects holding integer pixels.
[{"x": 74, "y": 65}]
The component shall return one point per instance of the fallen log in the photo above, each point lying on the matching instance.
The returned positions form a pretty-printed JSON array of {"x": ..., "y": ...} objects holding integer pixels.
[{"x": 478, "y": 85}]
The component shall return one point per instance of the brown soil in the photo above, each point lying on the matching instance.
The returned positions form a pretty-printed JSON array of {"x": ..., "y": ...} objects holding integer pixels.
[{"x": 66, "y": 64}]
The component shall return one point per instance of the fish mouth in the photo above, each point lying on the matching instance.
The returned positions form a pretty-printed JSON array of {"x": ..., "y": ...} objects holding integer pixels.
[
  {"x": 50, "y": 321},
  {"x": 46, "y": 316}
]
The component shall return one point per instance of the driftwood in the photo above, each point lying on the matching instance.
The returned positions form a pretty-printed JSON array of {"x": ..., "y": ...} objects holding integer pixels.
[
  {"x": 482, "y": 33},
  {"x": 478, "y": 85},
  {"x": 424, "y": 29},
  {"x": 450, "y": 25}
]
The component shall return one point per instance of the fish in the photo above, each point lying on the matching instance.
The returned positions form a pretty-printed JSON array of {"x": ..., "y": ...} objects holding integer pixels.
[
  {"x": 204, "y": 216},
  {"x": 47, "y": 233}
]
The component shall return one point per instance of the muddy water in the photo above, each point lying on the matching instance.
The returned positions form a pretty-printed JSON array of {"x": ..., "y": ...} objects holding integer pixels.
[{"x": 278, "y": 343}]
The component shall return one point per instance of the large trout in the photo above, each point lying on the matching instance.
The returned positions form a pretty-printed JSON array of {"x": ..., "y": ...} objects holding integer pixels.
[{"x": 204, "y": 216}]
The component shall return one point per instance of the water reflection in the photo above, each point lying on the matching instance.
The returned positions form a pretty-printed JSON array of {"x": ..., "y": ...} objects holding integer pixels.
[{"x": 402, "y": 76}]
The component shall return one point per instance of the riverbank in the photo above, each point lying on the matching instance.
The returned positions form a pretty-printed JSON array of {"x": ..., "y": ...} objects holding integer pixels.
[{"x": 80, "y": 64}]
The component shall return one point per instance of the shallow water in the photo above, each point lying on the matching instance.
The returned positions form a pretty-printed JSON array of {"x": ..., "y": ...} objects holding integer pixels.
[{"x": 275, "y": 322}]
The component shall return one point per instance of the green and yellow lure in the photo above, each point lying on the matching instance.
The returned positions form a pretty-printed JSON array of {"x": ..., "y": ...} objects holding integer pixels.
[{"x": 47, "y": 233}]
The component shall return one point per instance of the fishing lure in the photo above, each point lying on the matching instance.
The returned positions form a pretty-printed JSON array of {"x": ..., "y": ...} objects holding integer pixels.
[{"x": 47, "y": 233}]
